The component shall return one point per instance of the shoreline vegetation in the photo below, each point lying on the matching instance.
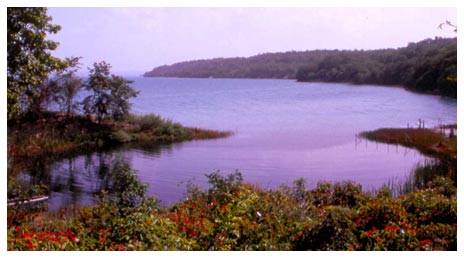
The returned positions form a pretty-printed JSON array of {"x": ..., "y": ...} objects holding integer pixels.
[
  {"x": 234, "y": 215},
  {"x": 55, "y": 135},
  {"x": 439, "y": 142},
  {"x": 231, "y": 214},
  {"x": 428, "y": 66}
]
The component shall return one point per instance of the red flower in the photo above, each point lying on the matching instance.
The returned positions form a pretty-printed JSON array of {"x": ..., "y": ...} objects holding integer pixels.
[
  {"x": 390, "y": 228},
  {"x": 30, "y": 245},
  {"x": 193, "y": 234},
  {"x": 102, "y": 240},
  {"x": 27, "y": 235},
  {"x": 379, "y": 239},
  {"x": 425, "y": 242}
]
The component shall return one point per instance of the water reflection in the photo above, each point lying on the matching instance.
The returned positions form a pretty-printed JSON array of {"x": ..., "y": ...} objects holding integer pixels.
[
  {"x": 77, "y": 180},
  {"x": 283, "y": 130}
]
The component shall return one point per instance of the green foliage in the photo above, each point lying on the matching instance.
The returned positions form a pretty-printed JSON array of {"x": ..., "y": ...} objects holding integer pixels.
[
  {"x": 20, "y": 192},
  {"x": 223, "y": 188},
  {"x": 233, "y": 215},
  {"x": 66, "y": 85},
  {"x": 110, "y": 93},
  {"x": 153, "y": 128},
  {"x": 385, "y": 192},
  {"x": 29, "y": 58},
  {"x": 145, "y": 122},
  {"x": 444, "y": 185},
  {"x": 426, "y": 66},
  {"x": 334, "y": 230},
  {"x": 121, "y": 136},
  {"x": 125, "y": 188},
  {"x": 347, "y": 193},
  {"x": 433, "y": 207}
]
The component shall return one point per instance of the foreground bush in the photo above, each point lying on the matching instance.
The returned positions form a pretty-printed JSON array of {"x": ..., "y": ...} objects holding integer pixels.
[{"x": 233, "y": 215}]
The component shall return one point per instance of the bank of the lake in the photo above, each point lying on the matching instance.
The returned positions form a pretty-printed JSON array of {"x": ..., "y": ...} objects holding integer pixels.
[
  {"x": 433, "y": 142},
  {"x": 282, "y": 130},
  {"x": 52, "y": 136},
  {"x": 234, "y": 215},
  {"x": 439, "y": 143}
]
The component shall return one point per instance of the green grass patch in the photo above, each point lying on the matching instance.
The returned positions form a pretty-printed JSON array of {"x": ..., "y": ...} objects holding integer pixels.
[{"x": 55, "y": 134}]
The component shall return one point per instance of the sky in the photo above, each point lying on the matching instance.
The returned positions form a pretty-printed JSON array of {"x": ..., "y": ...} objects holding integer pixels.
[{"x": 135, "y": 40}]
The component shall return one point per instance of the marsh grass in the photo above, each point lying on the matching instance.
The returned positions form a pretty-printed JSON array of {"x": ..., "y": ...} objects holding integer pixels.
[
  {"x": 56, "y": 134},
  {"x": 419, "y": 178},
  {"x": 427, "y": 141},
  {"x": 153, "y": 128},
  {"x": 435, "y": 143}
]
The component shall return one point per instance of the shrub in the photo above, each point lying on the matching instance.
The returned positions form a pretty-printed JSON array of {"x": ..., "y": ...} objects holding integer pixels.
[
  {"x": 346, "y": 193},
  {"x": 147, "y": 122},
  {"x": 126, "y": 190},
  {"x": 233, "y": 215},
  {"x": 322, "y": 194},
  {"x": 334, "y": 230},
  {"x": 385, "y": 192},
  {"x": 393, "y": 237},
  {"x": 222, "y": 189},
  {"x": 121, "y": 136},
  {"x": 428, "y": 206},
  {"x": 444, "y": 185},
  {"x": 437, "y": 237}
]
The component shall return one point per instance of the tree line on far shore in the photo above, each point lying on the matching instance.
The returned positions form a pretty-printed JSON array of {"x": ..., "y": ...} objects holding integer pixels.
[{"x": 428, "y": 66}]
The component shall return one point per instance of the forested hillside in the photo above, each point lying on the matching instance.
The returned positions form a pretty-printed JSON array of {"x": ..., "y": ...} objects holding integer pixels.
[{"x": 426, "y": 66}]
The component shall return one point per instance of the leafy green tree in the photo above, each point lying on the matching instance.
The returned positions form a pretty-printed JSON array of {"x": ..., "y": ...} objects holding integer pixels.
[
  {"x": 111, "y": 93},
  {"x": 29, "y": 58},
  {"x": 66, "y": 86}
]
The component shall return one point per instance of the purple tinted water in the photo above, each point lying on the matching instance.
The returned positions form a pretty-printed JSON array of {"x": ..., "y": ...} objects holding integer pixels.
[{"x": 283, "y": 130}]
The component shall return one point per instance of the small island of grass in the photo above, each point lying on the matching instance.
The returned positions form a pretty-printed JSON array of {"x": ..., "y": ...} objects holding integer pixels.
[{"x": 439, "y": 142}]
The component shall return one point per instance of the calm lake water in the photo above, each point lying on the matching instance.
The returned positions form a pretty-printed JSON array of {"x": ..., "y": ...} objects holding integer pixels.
[{"x": 283, "y": 130}]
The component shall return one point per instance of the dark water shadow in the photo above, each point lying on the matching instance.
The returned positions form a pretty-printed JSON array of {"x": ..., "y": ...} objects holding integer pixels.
[{"x": 78, "y": 179}]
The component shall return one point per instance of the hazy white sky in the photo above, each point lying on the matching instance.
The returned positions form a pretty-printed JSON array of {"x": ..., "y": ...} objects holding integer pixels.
[{"x": 139, "y": 39}]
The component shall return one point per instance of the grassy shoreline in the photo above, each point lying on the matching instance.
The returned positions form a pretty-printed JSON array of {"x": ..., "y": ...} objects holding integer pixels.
[
  {"x": 428, "y": 141},
  {"x": 438, "y": 143},
  {"x": 55, "y": 134}
]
